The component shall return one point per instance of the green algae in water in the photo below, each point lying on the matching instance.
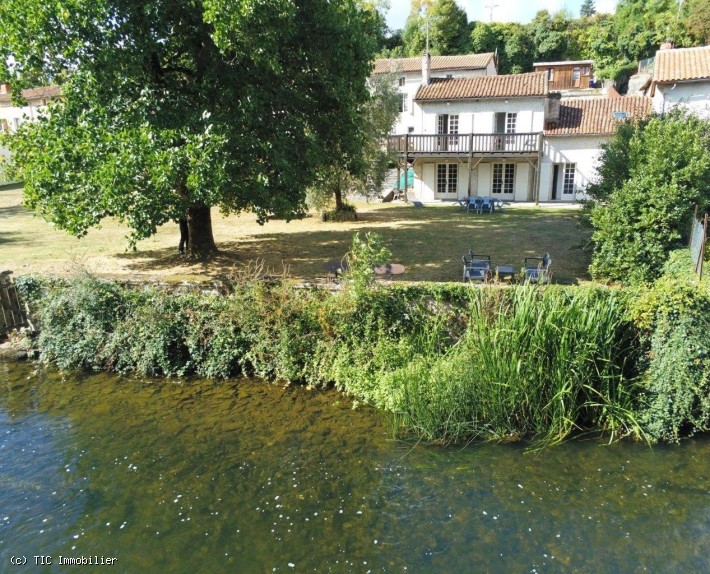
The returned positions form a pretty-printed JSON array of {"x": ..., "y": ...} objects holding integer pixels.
[{"x": 245, "y": 476}]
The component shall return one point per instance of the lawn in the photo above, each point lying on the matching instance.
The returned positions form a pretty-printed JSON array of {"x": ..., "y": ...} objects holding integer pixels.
[{"x": 428, "y": 241}]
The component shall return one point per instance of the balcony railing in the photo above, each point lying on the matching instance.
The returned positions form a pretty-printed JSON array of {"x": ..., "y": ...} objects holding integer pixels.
[{"x": 464, "y": 144}]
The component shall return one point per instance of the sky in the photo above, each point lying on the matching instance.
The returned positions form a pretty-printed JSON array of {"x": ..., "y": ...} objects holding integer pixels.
[{"x": 503, "y": 11}]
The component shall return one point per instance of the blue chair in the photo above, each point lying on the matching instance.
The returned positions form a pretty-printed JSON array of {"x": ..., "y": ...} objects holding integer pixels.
[
  {"x": 474, "y": 203},
  {"x": 487, "y": 204},
  {"x": 537, "y": 269}
]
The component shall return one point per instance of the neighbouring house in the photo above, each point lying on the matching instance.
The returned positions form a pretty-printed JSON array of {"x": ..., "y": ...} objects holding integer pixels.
[
  {"x": 475, "y": 136},
  {"x": 408, "y": 75},
  {"x": 568, "y": 75},
  {"x": 681, "y": 77},
  {"x": 572, "y": 141},
  {"x": 12, "y": 116}
]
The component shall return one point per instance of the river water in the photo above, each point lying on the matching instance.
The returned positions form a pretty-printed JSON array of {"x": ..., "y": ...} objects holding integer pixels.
[{"x": 249, "y": 477}]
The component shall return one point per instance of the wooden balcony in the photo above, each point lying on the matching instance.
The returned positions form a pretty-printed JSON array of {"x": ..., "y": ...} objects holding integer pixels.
[{"x": 493, "y": 145}]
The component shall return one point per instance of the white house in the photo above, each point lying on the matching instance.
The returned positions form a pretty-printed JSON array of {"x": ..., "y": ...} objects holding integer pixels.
[
  {"x": 408, "y": 74},
  {"x": 572, "y": 143},
  {"x": 681, "y": 77},
  {"x": 476, "y": 136},
  {"x": 12, "y": 116}
]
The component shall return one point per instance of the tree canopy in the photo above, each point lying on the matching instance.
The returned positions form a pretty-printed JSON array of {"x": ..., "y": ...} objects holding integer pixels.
[
  {"x": 169, "y": 108},
  {"x": 615, "y": 42}
]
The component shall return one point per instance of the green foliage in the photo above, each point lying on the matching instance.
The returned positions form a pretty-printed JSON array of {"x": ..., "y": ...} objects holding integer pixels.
[
  {"x": 173, "y": 110},
  {"x": 448, "y": 29},
  {"x": 588, "y": 9},
  {"x": 364, "y": 254},
  {"x": 533, "y": 362},
  {"x": 450, "y": 362},
  {"x": 697, "y": 22},
  {"x": 654, "y": 174},
  {"x": 365, "y": 173}
]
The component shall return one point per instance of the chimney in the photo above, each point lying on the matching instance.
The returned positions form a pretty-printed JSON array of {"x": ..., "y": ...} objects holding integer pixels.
[
  {"x": 5, "y": 88},
  {"x": 607, "y": 86},
  {"x": 552, "y": 107},
  {"x": 667, "y": 45},
  {"x": 426, "y": 69}
]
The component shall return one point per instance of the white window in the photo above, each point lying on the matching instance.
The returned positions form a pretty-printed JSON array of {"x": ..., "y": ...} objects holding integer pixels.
[
  {"x": 510, "y": 121},
  {"x": 503, "y": 178},
  {"x": 4, "y": 127},
  {"x": 16, "y": 122},
  {"x": 402, "y": 81},
  {"x": 575, "y": 73},
  {"x": 403, "y": 103},
  {"x": 447, "y": 177},
  {"x": 550, "y": 74},
  {"x": 568, "y": 178},
  {"x": 585, "y": 71}
]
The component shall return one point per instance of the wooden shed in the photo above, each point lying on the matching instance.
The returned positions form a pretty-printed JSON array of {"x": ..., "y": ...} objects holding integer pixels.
[{"x": 568, "y": 75}]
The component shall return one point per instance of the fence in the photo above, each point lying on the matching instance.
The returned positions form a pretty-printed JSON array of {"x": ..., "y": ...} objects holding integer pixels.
[
  {"x": 12, "y": 311},
  {"x": 698, "y": 238}
]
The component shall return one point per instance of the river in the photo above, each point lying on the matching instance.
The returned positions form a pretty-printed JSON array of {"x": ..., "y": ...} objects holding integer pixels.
[{"x": 242, "y": 476}]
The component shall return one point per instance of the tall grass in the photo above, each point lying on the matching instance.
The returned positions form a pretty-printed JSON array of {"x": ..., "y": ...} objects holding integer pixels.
[{"x": 534, "y": 362}]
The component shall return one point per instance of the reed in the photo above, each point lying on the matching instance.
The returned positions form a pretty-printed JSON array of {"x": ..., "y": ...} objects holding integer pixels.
[{"x": 543, "y": 363}]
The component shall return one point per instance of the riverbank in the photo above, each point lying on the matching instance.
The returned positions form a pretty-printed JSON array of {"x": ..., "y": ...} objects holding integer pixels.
[{"x": 451, "y": 363}]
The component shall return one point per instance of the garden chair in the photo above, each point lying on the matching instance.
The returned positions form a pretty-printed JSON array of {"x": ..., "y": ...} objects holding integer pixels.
[
  {"x": 537, "y": 269},
  {"x": 476, "y": 267},
  {"x": 487, "y": 205},
  {"x": 474, "y": 203}
]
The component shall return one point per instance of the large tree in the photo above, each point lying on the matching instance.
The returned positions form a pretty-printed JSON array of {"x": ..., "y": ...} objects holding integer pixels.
[
  {"x": 170, "y": 108},
  {"x": 448, "y": 28}
]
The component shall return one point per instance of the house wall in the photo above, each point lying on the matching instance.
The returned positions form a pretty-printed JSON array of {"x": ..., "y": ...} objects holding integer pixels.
[
  {"x": 694, "y": 96},
  {"x": 10, "y": 119},
  {"x": 584, "y": 151},
  {"x": 478, "y": 116},
  {"x": 481, "y": 181},
  {"x": 412, "y": 81}
]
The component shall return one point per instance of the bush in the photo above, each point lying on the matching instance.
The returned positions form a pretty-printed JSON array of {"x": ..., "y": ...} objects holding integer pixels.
[
  {"x": 674, "y": 318},
  {"x": 654, "y": 174}
]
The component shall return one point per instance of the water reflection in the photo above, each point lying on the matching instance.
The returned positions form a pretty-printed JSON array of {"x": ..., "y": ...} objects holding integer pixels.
[{"x": 255, "y": 478}]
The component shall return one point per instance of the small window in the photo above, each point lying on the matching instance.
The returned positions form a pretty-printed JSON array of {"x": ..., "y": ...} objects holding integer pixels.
[
  {"x": 403, "y": 103},
  {"x": 410, "y": 130},
  {"x": 449, "y": 75},
  {"x": 4, "y": 127},
  {"x": 550, "y": 74},
  {"x": 575, "y": 73},
  {"x": 585, "y": 71},
  {"x": 402, "y": 81}
]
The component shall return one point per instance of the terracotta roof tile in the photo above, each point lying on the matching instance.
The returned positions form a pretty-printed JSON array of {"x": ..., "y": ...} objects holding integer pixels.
[
  {"x": 594, "y": 116},
  {"x": 438, "y": 63},
  {"x": 682, "y": 64},
  {"x": 32, "y": 94},
  {"x": 512, "y": 86}
]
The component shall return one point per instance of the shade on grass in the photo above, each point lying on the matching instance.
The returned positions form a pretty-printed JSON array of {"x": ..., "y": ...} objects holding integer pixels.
[{"x": 428, "y": 242}]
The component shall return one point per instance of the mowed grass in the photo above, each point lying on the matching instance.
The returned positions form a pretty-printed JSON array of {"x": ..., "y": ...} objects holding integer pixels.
[{"x": 428, "y": 241}]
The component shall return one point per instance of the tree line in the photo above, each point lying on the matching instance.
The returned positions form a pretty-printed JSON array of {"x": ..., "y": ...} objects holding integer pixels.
[{"x": 616, "y": 42}]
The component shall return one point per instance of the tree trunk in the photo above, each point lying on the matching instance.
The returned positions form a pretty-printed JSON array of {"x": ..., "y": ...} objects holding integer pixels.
[
  {"x": 199, "y": 224},
  {"x": 338, "y": 193}
]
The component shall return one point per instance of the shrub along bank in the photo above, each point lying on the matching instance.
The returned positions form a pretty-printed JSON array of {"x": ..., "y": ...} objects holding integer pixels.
[{"x": 452, "y": 363}]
